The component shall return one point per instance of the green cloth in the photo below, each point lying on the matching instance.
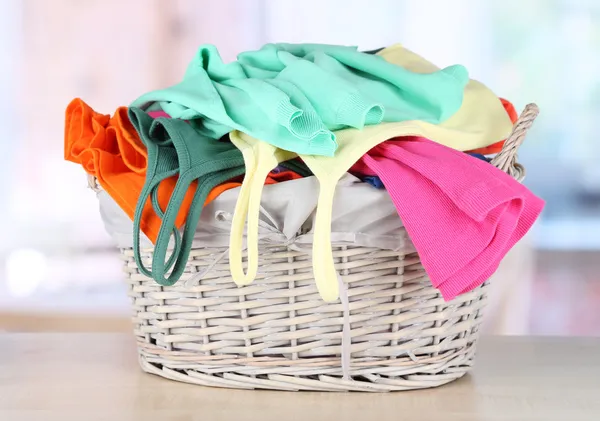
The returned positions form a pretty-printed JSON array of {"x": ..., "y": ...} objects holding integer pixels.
[
  {"x": 294, "y": 96},
  {"x": 176, "y": 148},
  {"x": 297, "y": 166}
]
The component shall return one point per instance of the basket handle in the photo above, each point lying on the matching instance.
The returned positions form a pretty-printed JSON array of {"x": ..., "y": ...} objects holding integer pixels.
[{"x": 506, "y": 160}]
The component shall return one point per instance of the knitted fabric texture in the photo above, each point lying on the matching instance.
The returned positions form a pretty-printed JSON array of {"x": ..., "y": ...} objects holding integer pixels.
[{"x": 462, "y": 214}]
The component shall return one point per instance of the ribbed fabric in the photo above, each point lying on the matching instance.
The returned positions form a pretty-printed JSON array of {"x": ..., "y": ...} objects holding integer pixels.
[
  {"x": 462, "y": 214},
  {"x": 355, "y": 105},
  {"x": 376, "y": 182},
  {"x": 294, "y": 95}
]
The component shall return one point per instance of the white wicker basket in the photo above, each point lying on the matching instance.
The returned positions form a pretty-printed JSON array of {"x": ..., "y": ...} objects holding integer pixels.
[{"x": 391, "y": 330}]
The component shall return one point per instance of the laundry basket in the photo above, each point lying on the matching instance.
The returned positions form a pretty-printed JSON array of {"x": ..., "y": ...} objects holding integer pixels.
[{"x": 390, "y": 330}]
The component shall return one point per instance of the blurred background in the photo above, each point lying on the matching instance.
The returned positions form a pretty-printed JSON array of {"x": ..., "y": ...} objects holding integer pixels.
[{"x": 60, "y": 271}]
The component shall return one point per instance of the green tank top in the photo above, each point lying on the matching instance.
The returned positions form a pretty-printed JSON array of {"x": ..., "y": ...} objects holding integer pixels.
[{"x": 176, "y": 148}]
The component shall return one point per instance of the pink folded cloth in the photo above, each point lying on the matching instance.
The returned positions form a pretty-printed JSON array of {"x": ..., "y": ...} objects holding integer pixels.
[{"x": 462, "y": 214}]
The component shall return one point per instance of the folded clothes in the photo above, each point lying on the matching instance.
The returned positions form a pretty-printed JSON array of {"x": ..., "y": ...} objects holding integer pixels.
[
  {"x": 462, "y": 214},
  {"x": 294, "y": 95},
  {"x": 110, "y": 149}
]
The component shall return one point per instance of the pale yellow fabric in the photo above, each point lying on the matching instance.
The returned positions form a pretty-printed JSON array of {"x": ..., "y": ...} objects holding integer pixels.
[
  {"x": 480, "y": 121},
  {"x": 259, "y": 158}
]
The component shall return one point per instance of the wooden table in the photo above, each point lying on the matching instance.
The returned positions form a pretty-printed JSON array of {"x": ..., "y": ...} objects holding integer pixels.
[{"x": 88, "y": 377}]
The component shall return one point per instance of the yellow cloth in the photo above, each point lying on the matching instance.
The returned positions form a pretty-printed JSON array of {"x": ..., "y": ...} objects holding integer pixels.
[
  {"x": 481, "y": 121},
  {"x": 259, "y": 158}
]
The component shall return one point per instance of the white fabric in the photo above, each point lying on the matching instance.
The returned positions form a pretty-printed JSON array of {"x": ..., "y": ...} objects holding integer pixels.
[{"x": 362, "y": 216}]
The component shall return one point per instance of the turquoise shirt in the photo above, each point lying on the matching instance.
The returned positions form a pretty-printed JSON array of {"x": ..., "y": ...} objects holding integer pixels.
[{"x": 294, "y": 96}]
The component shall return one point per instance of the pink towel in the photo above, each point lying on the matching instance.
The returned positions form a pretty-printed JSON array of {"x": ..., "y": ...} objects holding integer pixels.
[{"x": 462, "y": 214}]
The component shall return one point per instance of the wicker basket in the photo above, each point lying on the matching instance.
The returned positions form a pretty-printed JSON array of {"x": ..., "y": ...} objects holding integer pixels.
[{"x": 391, "y": 330}]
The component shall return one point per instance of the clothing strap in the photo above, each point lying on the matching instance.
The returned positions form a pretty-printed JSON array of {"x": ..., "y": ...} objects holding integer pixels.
[
  {"x": 151, "y": 188},
  {"x": 260, "y": 158},
  {"x": 323, "y": 267},
  {"x": 205, "y": 185}
]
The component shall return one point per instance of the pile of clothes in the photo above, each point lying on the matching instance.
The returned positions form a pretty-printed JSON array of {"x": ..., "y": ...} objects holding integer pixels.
[{"x": 419, "y": 135}]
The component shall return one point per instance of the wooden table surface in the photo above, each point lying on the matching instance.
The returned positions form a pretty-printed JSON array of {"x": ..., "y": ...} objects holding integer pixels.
[{"x": 88, "y": 377}]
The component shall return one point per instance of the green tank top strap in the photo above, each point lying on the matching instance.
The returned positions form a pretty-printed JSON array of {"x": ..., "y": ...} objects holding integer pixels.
[
  {"x": 205, "y": 184},
  {"x": 158, "y": 170}
]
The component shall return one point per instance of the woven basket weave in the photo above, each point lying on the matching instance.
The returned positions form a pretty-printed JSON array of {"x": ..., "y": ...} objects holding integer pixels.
[{"x": 391, "y": 330}]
